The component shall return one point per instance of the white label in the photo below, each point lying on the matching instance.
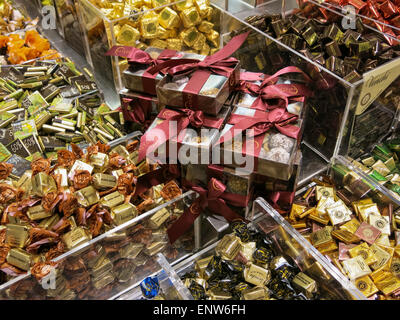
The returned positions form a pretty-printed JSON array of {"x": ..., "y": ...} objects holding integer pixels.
[{"x": 375, "y": 82}]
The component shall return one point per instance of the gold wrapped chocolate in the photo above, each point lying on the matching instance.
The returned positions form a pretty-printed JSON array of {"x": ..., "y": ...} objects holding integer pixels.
[
  {"x": 155, "y": 247},
  {"x": 213, "y": 38},
  {"x": 49, "y": 222},
  {"x": 203, "y": 6},
  {"x": 218, "y": 294},
  {"x": 351, "y": 226},
  {"x": 322, "y": 236},
  {"x": 205, "y": 50},
  {"x": 168, "y": 18},
  {"x": 189, "y": 36},
  {"x": 365, "y": 252},
  {"x": 131, "y": 250},
  {"x": 200, "y": 42},
  {"x": 182, "y": 5},
  {"x": 42, "y": 183},
  {"x": 305, "y": 284},
  {"x": 228, "y": 247},
  {"x": 101, "y": 268},
  {"x": 257, "y": 275},
  {"x": 128, "y": 36},
  {"x": 123, "y": 213},
  {"x": 159, "y": 3},
  {"x": 157, "y": 43},
  {"x": 19, "y": 258},
  {"x": 64, "y": 176},
  {"x": 104, "y": 181},
  {"x": 174, "y": 44},
  {"x": 206, "y": 26},
  {"x": 324, "y": 192},
  {"x": 356, "y": 267},
  {"x": 99, "y": 160},
  {"x": 202, "y": 264},
  {"x": 75, "y": 237},
  {"x": 102, "y": 282},
  {"x": 25, "y": 181},
  {"x": 190, "y": 17},
  {"x": 87, "y": 196},
  {"x": 256, "y": 293},
  {"x": 157, "y": 219},
  {"x": 112, "y": 200},
  {"x": 38, "y": 213},
  {"x": 17, "y": 235},
  {"x": 366, "y": 286},
  {"x": 149, "y": 26}
]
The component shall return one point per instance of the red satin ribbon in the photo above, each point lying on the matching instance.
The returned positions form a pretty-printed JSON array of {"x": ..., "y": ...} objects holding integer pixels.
[
  {"x": 136, "y": 109},
  {"x": 268, "y": 90},
  {"x": 281, "y": 199},
  {"x": 156, "y": 177},
  {"x": 214, "y": 198},
  {"x": 183, "y": 118},
  {"x": 219, "y": 63},
  {"x": 261, "y": 122},
  {"x": 138, "y": 56}
]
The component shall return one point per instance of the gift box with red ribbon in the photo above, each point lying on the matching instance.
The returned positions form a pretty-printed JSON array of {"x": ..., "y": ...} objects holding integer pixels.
[
  {"x": 261, "y": 142},
  {"x": 190, "y": 135},
  {"x": 139, "y": 108},
  {"x": 202, "y": 82},
  {"x": 136, "y": 77},
  {"x": 287, "y": 88}
]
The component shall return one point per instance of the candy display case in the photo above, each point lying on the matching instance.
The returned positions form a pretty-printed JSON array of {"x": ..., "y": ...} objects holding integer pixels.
[
  {"x": 344, "y": 102},
  {"x": 288, "y": 243},
  {"x": 351, "y": 220},
  {"x": 167, "y": 25},
  {"x": 114, "y": 262}
]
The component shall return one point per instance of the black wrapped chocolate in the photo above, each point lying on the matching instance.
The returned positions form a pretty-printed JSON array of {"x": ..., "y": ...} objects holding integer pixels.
[
  {"x": 240, "y": 229},
  {"x": 263, "y": 256},
  {"x": 197, "y": 291}
]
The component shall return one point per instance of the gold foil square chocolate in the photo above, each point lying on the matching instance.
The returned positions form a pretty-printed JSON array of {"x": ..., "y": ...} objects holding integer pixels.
[
  {"x": 356, "y": 267},
  {"x": 19, "y": 258},
  {"x": 382, "y": 256},
  {"x": 257, "y": 275},
  {"x": 168, "y": 18},
  {"x": 113, "y": 199},
  {"x": 87, "y": 196},
  {"x": 228, "y": 247},
  {"x": 351, "y": 226},
  {"x": 104, "y": 181},
  {"x": 256, "y": 293},
  {"x": 324, "y": 192},
  {"x": 38, "y": 213},
  {"x": 157, "y": 219},
  {"x": 123, "y": 213},
  {"x": 128, "y": 36},
  {"x": 17, "y": 235},
  {"x": 42, "y": 183},
  {"x": 322, "y": 236},
  {"x": 338, "y": 214},
  {"x": 365, "y": 252},
  {"x": 75, "y": 237},
  {"x": 305, "y": 284},
  {"x": 190, "y": 17},
  {"x": 366, "y": 286},
  {"x": 381, "y": 223}
]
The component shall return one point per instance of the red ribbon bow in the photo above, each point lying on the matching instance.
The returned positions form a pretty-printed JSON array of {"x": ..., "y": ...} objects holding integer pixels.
[
  {"x": 183, "y": 118},
  {"x": 219, "y": 63},
  {"x": 280, "y": 119},
  {"x": 215, "y": 199},
  {"x": 268, "y": 89}
]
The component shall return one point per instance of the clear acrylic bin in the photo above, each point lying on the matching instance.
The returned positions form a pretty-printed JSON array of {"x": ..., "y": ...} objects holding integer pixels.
[
  {"x": 102, "y": 33},
  {"x": 340, "y": 112},
  {"x": 112, "y": 263},
  {"x": 70, "y": 28},
  {"x": 288, "y": 242}
]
